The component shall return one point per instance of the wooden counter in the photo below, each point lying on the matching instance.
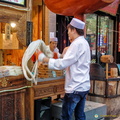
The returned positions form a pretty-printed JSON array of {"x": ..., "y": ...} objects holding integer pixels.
[
  {"x": 106, "y": 91},
  {"x": 45, "y": 88},
  {"x": 102, "y": 87}
]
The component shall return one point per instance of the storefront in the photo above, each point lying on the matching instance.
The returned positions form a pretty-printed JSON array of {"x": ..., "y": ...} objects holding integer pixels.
[
  {"x": 21, "y": 22},
  {"x": 34, "y": 21},
  {"x": 99, "y": 33},
  {"x": 102, "y": 32},
  {"x": 103, "y": 36}
]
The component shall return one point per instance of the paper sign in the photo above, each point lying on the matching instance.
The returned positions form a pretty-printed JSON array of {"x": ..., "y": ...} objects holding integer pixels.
[{"x": 52, "y": 34}]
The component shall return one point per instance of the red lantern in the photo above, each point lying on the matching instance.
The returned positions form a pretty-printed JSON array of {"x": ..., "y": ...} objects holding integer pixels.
[{"x": 76, "y": 8}]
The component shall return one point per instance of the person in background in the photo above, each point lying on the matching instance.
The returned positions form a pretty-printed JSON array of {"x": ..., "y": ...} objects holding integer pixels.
[
  {"x": 65, "y": 50},
  {"x": 76, "y": 61},
  {"x": 53, "y": 47}
]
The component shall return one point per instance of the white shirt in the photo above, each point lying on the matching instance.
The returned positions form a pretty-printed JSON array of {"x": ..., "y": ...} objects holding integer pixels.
[
  {"x": 55, "y": 50},
  {"x": 77, "y": 64}
]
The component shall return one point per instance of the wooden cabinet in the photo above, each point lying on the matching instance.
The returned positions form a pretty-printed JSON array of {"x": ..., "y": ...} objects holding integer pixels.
[
  {"x": 42, "y": 90},
  {"x": 100, "y": 86},
  {"x": 12, "y": 105},
  {"x": 12, "y": 96}
]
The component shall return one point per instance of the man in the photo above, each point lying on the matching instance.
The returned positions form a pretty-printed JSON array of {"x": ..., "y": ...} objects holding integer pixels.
[
  {"x": 65, "y": 50},
  {"x": 77, "y": 63},
  {"x": 53, "y": 47}
]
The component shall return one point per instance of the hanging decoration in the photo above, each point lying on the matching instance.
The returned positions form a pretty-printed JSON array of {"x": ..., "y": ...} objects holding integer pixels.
[
  {"x": 76, "y": 8},
  {"x": 112, "y": 8}
]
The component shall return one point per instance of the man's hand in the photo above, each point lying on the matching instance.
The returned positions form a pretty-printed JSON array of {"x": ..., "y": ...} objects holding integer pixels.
[
  {"x": 38, "y": 55},
  {"x": 41, "y": 56}
]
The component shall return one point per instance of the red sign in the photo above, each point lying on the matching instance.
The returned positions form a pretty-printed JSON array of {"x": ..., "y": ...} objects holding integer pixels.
[
  {"x": 112, "y": 8},
  {"x": 119, "y": 39}
]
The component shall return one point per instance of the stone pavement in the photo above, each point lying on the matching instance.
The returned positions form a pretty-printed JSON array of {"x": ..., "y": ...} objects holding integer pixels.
[{"x": 93, "y": 110}]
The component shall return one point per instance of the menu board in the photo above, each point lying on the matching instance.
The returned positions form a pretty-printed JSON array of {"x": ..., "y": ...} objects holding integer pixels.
[{"x": 16, "y": 2}]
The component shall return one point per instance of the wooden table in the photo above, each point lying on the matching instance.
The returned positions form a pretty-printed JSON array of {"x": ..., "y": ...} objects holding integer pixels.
[{"x": 45, "y": 88}]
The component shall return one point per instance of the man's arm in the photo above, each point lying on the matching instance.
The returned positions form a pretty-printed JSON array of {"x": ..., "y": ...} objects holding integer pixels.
[{"x": 46, "y": 59}]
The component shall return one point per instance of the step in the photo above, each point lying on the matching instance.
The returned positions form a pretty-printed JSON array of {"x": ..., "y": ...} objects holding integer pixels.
[
  {"x": 117, "y": 118},
  {"x": 93, "y": 110}
]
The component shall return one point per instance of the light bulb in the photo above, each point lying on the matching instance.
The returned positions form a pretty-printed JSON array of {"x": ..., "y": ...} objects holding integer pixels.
[{"x": 13, "y": 25}]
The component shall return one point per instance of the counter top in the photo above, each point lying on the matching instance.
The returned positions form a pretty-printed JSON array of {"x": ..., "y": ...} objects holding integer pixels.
[{"x": 49, "y": 79}]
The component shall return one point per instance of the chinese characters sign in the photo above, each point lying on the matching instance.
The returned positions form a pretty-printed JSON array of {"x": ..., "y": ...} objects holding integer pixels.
[{"x": 17, "y": 2}]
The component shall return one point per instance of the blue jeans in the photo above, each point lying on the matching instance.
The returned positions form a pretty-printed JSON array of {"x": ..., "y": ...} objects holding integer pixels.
[{"x": 74, "y": 103}]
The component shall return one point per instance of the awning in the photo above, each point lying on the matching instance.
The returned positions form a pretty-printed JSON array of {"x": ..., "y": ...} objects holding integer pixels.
[{"x": 112, "y": 8}]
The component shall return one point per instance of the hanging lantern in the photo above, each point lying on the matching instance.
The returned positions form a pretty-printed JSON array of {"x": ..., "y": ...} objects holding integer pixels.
[{"x": 75, "y": 8}]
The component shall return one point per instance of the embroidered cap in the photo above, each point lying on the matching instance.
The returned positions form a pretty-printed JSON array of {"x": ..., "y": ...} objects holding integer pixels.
[
  {"x": 77, "y": 23},
  {"x": 55, "y": 39}
]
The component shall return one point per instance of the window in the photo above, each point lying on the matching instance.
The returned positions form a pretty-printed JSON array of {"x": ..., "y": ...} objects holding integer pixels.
[{"x": 99, "y": 33}]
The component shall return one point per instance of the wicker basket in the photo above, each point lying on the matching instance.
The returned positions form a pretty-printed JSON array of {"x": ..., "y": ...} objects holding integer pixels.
[{"x": 44, "y": 72}]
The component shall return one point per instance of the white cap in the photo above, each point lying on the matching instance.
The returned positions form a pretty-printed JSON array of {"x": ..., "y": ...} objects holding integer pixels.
[
  {"x": 77, "y": 23},
  {"x": 54, "y": 39}
]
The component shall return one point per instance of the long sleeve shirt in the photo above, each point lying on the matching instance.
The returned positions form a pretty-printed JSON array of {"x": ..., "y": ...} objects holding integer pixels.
[
  {"x": 56, "y": 50},
  {"x": 77, "y": 64}
]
